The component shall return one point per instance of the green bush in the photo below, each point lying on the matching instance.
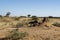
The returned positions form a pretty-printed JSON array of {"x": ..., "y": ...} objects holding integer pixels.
[
  {"x": 17, "y": 18},
  {"x": 16, "y": 35},
  {"x": 34, "y": 17},
  {"x": 19, "y": 25},
  {"x": 57, "y": 24}
]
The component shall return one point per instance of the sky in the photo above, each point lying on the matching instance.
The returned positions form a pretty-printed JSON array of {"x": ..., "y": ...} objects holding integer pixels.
[{"x": 32, "y": 7}]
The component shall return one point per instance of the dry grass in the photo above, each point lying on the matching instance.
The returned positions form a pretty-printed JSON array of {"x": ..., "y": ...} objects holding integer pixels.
[{"x": 44, "y": 32}]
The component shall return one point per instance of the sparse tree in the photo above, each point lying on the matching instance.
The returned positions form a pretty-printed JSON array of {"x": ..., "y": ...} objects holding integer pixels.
[
  {"x": 8, "y": 13},
  {"x": 0, "y": 15},
  {"x": 50, "y": 16},
  {"x": 28, "y": 15}
]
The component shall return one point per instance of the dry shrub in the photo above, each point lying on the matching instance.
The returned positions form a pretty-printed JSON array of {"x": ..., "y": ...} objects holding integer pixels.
[
  {"x": 16, "y": 35},
  {"x": 34, "y": 18},
  {"x": 56, "y": 24},
  {"x": 17, "y": 18},
  {"x": 19, "y": 25}
]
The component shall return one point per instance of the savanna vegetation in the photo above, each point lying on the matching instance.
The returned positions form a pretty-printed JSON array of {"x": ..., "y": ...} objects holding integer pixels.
[{"x": 29, "y": 27}]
